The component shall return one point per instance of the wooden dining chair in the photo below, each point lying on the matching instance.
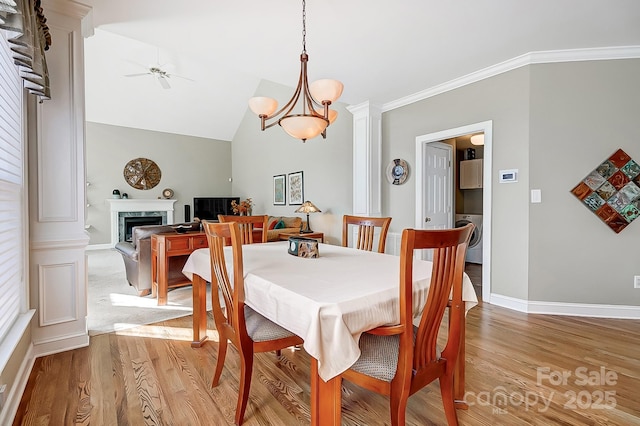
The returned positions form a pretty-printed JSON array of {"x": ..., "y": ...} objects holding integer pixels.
[
  {"x": 248, "y": 227},
  {"x": 366, "y": 231},
  {"x": 399, "y": 360},
  {"x": 247, "y": 330}
]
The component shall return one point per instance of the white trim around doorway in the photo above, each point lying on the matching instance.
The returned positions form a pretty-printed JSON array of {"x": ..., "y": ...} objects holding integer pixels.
[{"x": 421, "y": 141}]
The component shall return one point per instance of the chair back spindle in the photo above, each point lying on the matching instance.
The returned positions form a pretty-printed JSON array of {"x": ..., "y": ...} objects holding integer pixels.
[
  {"x": 247, "y": 225},
  {"x": 366, "y": 231}
]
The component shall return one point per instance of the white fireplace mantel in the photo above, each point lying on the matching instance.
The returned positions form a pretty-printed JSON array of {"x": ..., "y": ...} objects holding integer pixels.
[{"x": 137, "y": 205}]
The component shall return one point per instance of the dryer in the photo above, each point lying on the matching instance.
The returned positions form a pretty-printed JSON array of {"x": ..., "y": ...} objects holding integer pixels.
[{"x": 474, "y": 251}]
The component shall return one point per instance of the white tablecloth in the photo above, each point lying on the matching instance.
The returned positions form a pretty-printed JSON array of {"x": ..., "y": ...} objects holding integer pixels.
[{"x": 328, "y": 301}]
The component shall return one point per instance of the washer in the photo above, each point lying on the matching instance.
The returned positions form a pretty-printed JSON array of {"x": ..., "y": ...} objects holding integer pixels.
[{"x": 474, "y": 251}]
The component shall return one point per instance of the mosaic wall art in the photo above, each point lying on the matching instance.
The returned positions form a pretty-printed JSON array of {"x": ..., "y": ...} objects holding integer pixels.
[{"x": 612, "y": 191}]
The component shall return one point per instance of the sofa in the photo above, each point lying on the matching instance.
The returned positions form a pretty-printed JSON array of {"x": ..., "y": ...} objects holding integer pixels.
[
  {"x": 137, "y": 254},
  {"x": 290, "y": 225}
]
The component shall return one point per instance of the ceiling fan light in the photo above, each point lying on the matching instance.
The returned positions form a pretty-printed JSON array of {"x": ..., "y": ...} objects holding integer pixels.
[
  {"x": 326, "y": 90},
  {"x": 477, "y": 139},
  {"x": 303, "y": 127},
  {"x": 261, "y": 105}
]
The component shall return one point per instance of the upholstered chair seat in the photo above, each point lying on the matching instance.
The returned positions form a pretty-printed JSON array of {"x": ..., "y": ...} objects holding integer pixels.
[
  {"x": 379, "y": 355},
  {"x": 261, "y": 329}
]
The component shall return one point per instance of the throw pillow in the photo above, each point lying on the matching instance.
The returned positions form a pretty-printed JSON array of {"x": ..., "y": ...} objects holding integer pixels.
[
  {"x": 279, "y": 225},
  {"x": 273, "y": 223}
]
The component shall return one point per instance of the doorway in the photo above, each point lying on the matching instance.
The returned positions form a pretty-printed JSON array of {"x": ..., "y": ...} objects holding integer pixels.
[{"x": 423, "y": 143}]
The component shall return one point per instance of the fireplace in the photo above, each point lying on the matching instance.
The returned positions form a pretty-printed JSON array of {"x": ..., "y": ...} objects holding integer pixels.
[
  {"x": 130, "y": 222},
  {"x": 127, "y": 220},
  {"x": 160, "y": 210}
]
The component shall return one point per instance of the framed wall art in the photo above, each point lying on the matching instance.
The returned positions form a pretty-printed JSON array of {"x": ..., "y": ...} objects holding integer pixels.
[
  {"x": 296, "y": 189},
  {"x": 279, "y": 190}
]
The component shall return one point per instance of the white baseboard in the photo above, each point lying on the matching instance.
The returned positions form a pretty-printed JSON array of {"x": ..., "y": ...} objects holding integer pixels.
[
  {"x": 508, "y": 302},
  {"x": 564, "y": 308},
  {"x": 60, "y": 344},
  {"x": 14, "y": 396}
]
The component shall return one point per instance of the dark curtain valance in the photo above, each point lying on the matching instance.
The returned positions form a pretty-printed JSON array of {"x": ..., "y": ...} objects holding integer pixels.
[{"x": 29, "y": 37}]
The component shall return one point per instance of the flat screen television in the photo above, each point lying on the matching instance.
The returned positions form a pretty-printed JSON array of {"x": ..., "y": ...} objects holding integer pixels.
[{"x": 208, "y": 208}]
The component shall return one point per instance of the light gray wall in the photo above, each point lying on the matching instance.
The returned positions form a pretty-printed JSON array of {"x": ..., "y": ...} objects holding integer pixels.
[
  {"x": 505, "y": 100},
  {"x": 326, "y": 164},
  {"x": 555, "y": 123},
  {"x": 191, "y": 166},
  {"x": 581, "y": 113}
]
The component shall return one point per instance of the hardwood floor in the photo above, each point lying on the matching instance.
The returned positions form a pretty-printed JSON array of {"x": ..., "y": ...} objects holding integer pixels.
[{"x": 515, "y": 366}]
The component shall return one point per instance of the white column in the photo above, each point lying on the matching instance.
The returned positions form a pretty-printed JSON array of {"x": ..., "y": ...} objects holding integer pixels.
[
  {"x": 367, "y": 168},
  {"x": 58, "y": 271}
]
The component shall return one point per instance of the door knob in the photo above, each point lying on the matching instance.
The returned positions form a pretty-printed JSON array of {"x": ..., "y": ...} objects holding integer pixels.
[{"x": 427, "y": 219}]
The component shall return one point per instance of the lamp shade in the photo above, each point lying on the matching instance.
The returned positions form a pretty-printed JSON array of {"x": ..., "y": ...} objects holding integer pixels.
[
  {"x": 477, "y": 139},
  {"x": 262, "y": 105},
  {"x": 303, "y": 126},
  {"x": 308, "y": 207},
  {"x": 326, "y": 90}
]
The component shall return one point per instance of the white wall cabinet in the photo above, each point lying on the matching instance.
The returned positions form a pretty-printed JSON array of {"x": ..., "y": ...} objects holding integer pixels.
[{"x": 471, "y": 174}]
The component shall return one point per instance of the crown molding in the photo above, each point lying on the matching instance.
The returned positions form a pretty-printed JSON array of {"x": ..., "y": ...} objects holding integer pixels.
[
  {"x": 552, "y": 56},
  {"x": 75, "y": 10}
]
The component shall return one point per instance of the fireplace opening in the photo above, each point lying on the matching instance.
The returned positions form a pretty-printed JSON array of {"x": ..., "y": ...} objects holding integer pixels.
[{"x": 130, "y": 222}]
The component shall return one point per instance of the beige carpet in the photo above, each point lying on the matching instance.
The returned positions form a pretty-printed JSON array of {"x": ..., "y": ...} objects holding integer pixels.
[{"x": 113, "y": 304}]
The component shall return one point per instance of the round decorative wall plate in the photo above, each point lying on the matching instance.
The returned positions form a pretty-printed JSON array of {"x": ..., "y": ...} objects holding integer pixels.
[
  {"x": 167, "y": 193},
  {"x": 142, "y": 173},
  {"x": 397, "y": 171}
]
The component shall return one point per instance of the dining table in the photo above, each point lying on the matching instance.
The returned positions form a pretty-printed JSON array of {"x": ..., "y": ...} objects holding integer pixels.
[{"x": 329, "y": 301}]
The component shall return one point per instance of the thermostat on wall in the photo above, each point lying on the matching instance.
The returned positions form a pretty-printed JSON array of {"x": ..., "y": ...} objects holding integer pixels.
[{"x": 508, "y": 176}]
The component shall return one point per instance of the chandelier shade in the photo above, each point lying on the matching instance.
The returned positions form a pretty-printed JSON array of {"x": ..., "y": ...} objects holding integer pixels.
[
  {"x": 307, "y": 114},
  {"x": 262, "y": 105},
  {"x": 333, "y": 114},
  {"x": 304, "y": 126},
  {"x": 326, "y": 89}
]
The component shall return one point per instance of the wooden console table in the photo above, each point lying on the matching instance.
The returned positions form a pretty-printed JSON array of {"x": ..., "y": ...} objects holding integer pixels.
[
  {"x": 315, "y": 235},
  {"x": 171, "y": 249}
]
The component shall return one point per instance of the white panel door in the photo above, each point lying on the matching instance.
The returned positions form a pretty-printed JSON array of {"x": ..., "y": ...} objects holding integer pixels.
[{"x": 438, "y": 189}]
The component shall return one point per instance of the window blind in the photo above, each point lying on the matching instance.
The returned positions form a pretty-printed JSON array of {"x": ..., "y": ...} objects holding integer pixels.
[{"x": 12, "y": 214}]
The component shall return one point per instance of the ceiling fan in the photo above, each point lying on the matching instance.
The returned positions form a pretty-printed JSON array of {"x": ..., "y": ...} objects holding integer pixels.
[
  {"x": 161, "y": 75},
  {"x": 158, "y": 71}
]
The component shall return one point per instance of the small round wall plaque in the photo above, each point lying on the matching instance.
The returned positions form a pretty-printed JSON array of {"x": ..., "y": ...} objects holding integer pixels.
[
  {"x": 397, "y": 171},
  {"x": 142, "y": 173}
]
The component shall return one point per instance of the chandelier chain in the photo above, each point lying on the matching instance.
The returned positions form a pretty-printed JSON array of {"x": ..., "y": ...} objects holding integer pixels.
[{"x": 304, "y": 26}]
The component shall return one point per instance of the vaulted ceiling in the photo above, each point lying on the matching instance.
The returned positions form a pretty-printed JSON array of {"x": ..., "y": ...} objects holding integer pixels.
[{"x": 217, "y": 52}]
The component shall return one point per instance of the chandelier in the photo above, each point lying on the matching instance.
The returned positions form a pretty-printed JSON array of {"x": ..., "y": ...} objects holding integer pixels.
[{"x": 307, "y": 113}]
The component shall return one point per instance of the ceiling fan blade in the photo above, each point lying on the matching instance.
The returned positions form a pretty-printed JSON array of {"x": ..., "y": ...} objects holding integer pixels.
[
  {"x": 137, "y": 75},
  {"x": 164, "y": 82},
  {"x": 184, "y": 78}
]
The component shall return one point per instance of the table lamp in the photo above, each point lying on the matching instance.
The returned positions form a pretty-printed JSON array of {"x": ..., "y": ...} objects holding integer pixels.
[{"x": 307, "y": 207}]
